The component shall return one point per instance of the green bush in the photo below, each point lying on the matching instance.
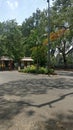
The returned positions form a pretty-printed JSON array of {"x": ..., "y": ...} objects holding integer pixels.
[
  {"x": 50, "y": 71},
  {"x": 29, "y": 69},
  {"x": 42, "y": 70},
  {"x": 33, "y": 69}
]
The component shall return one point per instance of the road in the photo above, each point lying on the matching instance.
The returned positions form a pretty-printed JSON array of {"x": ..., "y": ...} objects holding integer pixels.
[{"x": 27, "y": 98}]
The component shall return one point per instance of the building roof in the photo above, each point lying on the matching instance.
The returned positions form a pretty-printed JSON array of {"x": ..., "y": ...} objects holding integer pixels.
[
  {"x": 5, "y": 58},
  {"x": 27, "y": 59}
]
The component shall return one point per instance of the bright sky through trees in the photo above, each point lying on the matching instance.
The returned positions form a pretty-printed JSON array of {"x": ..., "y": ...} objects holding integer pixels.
[{"x": 19, "y": 9}]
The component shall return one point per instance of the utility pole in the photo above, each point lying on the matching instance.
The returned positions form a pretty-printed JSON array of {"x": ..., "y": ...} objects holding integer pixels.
[{"x": 48, "y": 55}]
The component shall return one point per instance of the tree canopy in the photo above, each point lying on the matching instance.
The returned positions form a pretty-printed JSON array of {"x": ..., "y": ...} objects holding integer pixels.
[{"x": 17, "y": 41}]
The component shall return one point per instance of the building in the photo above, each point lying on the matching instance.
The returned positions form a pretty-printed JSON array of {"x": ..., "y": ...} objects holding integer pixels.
[{"x": 26, "y": 61}]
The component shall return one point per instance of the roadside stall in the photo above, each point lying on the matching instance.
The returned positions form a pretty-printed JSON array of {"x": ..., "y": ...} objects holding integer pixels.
[
  {"x": 26, "y": 61},
  {"x": 6, "y": 63}
]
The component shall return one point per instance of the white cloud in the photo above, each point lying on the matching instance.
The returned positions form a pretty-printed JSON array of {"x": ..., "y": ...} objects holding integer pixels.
[{"x": 12, "y": 4}]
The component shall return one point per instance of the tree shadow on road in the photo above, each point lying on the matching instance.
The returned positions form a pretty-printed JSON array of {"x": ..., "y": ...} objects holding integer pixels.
[
  {"x": 60, "y": 122},
  {"x": 34, "y": 86},
  {"x": 22, "y": 88}
]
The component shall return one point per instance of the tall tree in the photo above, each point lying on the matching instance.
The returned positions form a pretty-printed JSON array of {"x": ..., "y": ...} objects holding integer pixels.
[
  {"x": 11, "y": 40},
  {"x": 63, "y": 13}
]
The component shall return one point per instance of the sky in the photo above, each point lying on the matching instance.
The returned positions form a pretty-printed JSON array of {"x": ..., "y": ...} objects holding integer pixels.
[{"x": 20, "y": 9}]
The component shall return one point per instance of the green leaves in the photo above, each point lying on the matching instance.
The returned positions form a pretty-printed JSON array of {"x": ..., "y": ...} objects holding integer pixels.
[
  {"x": 18, "y": 41},
  {"x": 11, "y": 40}
]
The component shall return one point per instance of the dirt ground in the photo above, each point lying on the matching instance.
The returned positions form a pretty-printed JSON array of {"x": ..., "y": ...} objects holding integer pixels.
[{"x": 36, "y": 102}]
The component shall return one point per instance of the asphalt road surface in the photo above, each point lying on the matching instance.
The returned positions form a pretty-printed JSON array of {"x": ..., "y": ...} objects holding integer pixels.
[{"x": 29, "y": 101}]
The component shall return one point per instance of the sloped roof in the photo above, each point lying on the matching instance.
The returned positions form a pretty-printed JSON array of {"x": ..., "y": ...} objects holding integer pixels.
[
  {"x": 26, "y": 59},
  {"x": 5, "y": 58}
]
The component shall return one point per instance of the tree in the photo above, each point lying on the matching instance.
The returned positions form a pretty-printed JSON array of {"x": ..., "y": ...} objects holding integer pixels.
[
  {"x": 62, "y": 16},
  {"x": 11, "y": 40},
  {"x": 39, "y": 55},
  {"x": 32, "y": 29}
]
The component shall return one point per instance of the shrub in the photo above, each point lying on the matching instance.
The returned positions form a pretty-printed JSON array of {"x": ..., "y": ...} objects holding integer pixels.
[
  {"x": 29, "y": 69},
  {"x": 42, "y": 70},
  {"x": 33, "y": 69}
]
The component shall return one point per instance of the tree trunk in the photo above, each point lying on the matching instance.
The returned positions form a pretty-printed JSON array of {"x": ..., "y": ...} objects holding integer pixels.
[
  {"x": 64, "y": 55},
  {"x": 64, "y": 60}
]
